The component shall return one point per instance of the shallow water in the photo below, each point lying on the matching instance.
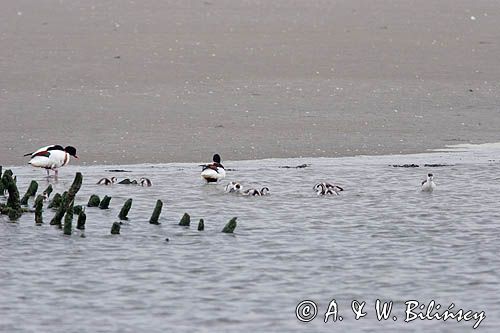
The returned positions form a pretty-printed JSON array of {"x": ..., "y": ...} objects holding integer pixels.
[{"x": 381, "y": 239}]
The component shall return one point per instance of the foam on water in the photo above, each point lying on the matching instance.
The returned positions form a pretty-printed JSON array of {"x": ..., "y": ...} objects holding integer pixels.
[{"x": 381, "y": 238}]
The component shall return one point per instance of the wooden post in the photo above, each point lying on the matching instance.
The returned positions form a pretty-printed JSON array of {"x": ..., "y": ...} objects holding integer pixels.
[
  {"x": 68, "y": 200},
  {"x": 94, "y": 201},
  {"x": 13, "y": 208},
  {"x": 68, "y": 220},
  {"x": 115, "y": 228},
  {"x": 105, "y": 202},
  {"x": 56, "y": 201},
  {"x": 39, "y": 209},
  {"x": 47, "y": 191},
  {"x": 201, "y": 225},
  {"x": 185, "y": 220},
  {"x": 82, "y": 217},
  {"x": 125, "y": 209},
  {"x": 230, "y": 226},
  {"x": 30, "y": 192},
  {"x": 156, "y": 213}
]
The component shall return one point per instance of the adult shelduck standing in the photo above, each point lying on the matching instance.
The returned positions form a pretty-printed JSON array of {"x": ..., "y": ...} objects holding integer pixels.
[
  {"x": 52, "y": 157},
  {"x": 213, "y": 172}
]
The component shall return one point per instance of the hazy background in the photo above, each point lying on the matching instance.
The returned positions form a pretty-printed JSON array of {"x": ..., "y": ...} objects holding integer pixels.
[{"x": 162, "y": 81}]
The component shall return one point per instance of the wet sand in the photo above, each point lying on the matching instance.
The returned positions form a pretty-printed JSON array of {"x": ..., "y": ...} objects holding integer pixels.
[{"x": 175, "y": 81}]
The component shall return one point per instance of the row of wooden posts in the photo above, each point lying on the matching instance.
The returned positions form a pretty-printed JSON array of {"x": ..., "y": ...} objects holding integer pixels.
[{"x": 64, "y": 206}]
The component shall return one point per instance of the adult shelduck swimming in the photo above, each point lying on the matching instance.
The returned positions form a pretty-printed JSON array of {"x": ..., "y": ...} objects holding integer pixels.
[
  {"x": 52, "y": 157},
  {"x": 213, "y": 172},
  {"x": 327, "y": 189},
  {"x": 428, "y": 184}
]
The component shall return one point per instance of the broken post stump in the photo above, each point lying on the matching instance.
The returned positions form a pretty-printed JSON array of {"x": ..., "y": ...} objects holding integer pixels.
[
  {"x": 39, "y": 209},
  {"x": 230, "y": 226},
  {"x": 115, "y": 228},
  {"x": 185, "y": 220},
  {"x": 94, "y": 201},
  {"x": 105, "y": 202},
  {"x": 201, "y": 225},
  {"x": 156, "y": 213},
  {"x": 47, "y": 191},
  {"x": 68, "y": 220},
  {"x": 13, "y": 208},
  {"x": 60, "y": 211},
  {"x": 56, "y": 201},
  {"x": 77, "y": 209},
  {"x": 125, "y": 209},
  {"x": 82, "y": 218},
  {"x": 30, "y": 192}
]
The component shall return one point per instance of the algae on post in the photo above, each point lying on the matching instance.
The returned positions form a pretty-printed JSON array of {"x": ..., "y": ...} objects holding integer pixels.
[
  {"x": 125, "y": 209},
  {"x": 156, "y": 213},
  {"x": 30, "y": 192},
  {"x": 94, "y": 201},
  {"x": 115, "y": 228},
  {"x": 39, "y": 209},
  {"x": 185, "y": 220},
  {"x": 230, "y": 226},
  {"x": 105, "y": 202}
]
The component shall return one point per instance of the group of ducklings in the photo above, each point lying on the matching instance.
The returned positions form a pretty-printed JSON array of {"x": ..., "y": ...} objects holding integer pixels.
[
  {"x": 110, "y": 181},
  {"x": 235, "y": 187}
]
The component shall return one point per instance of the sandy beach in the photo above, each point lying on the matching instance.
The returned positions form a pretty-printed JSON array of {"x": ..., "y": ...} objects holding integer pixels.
[{"x": 175, "y": 81}]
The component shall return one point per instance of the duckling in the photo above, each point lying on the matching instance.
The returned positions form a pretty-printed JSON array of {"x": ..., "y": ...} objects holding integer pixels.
[
  {"x": 145, "y": 182},
  {"x": 106, "y": 181},
  {"x": 428, "y": 185},
  {"x": 233, "y": 187},
  {"x": 327, "y": 189},
  {"x": 255, "y": 192}
]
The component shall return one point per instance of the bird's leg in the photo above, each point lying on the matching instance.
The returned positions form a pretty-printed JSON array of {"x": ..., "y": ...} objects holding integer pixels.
[
  {"x": 48, "y": 173},
  {"x": 56, "y": 173}
]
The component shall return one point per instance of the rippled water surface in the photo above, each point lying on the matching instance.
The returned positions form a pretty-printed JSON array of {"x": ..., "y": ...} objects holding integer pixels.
[{"x": 381, "y": 239}]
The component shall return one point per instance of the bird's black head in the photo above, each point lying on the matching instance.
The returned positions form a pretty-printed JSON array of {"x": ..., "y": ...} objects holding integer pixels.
[
  {"x": 430, "y": 175},
  {"x": 71, "y": 150},
  {"x": 216, "y": 158}
]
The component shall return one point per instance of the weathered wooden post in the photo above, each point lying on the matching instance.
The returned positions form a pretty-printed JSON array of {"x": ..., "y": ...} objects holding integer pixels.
[
  {"x": 77, "y": 209},
  {"x": 201, "y": 225},
  {"x": 115, "y": 228},
  {"x": 156, "y": 213},
  {"x": 185, "y": 220},
  {"x": 105, "y": 202},
  {"x": 13, "y": 208},
  {"x": 68, "y": 200},
  {"x": 94, "y": 201},
  {"x": 82, "y": 217},
  {"x": 125, "y": 209},
  {"x": 68, "y": 220},
  {"x": 30, "y": 192},
  {"x": 39, "y": 209},
  {"x": 47, "y": 192},
  {"x": 230, "y": 226},
  {"x": 56, "y": 201}
]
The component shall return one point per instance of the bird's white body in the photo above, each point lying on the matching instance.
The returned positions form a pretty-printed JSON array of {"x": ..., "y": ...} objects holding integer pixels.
[
  {"x": 428, "y": 185},
  {"x": 213, "y": 173},
  {"x": 52, "y": 159}
]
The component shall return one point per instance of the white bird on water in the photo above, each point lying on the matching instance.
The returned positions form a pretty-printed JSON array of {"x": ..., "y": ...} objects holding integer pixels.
[
  {"x": 52, "y": 157},
  {"x": 428, "y": 185},
  {"x": 213, "y": 172}
]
